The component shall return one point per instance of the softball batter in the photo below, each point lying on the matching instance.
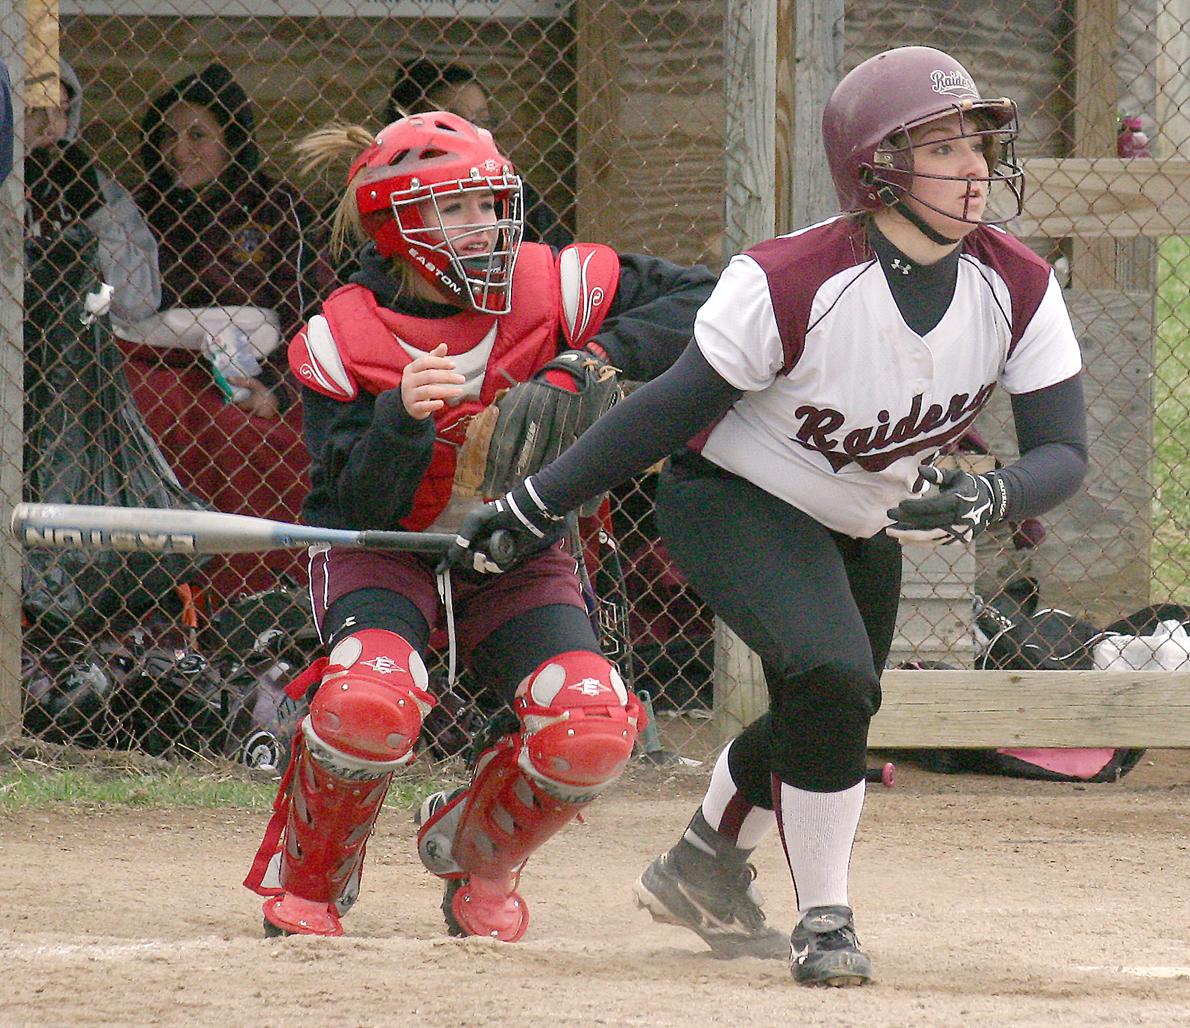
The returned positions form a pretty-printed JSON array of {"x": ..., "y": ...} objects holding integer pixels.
[{"x": 827, "y": 370}]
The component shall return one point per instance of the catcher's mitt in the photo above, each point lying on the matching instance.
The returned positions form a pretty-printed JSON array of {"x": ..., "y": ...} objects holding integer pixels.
[{"x": 533, "y": 422}]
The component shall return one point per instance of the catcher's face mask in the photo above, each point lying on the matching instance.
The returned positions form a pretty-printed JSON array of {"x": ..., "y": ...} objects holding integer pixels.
[{"x": 434, "y": 191}]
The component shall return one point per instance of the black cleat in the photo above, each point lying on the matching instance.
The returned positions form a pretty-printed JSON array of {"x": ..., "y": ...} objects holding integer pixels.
[
  {"x": 453, "y": 928},
  {"x": 824, "y": 949},
  {"x": 715, "y": 900}
]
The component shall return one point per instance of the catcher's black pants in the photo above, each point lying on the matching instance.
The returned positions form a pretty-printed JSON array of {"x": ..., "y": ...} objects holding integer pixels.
[{"x": 817, "y": 607}]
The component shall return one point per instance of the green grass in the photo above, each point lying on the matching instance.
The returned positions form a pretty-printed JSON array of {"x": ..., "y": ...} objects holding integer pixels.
[
  {"x": 1171, "y": 425},
  {"x": 26, "y": 785}
]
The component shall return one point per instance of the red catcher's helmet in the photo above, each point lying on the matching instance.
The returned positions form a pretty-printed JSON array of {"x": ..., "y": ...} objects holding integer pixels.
[
  {"x": 866, "y": 121},
  {"x": 427, "y": 157}
]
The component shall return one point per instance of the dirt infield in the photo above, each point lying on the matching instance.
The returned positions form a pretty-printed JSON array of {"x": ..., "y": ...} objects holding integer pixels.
[{"x": 982, "y": 901}]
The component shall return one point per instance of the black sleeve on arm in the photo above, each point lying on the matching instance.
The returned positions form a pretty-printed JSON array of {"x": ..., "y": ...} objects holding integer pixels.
[
  {"x": 653, "y": 422},
  {"x": 1051, "y": 432},
  {"x": 367, "y": 459},
  {"x": 652, "y": 315}
]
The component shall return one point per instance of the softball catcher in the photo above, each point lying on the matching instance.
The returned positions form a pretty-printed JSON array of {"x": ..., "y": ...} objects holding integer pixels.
[{"x": 455, "y": 362}]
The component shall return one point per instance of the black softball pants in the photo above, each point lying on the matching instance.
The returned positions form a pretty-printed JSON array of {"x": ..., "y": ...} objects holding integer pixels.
[{"x": 817, "y": 607}]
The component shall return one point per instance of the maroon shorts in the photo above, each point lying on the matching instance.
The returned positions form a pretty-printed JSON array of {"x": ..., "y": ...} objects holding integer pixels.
[{"x": 482, "y": 603}]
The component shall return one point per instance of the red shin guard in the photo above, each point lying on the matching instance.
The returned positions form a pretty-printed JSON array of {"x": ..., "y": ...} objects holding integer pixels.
[
  {"x": 330, "y": 819},
  {"x": 579, "y": 727},
  {"x": 362, "y": 725}
]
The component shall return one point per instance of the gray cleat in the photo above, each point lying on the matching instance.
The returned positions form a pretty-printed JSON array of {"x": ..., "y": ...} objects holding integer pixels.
[
  {"x": 438, "y": 822},
  {"x": 714, "y": 899},
  {"x": 434, "y": 841}
]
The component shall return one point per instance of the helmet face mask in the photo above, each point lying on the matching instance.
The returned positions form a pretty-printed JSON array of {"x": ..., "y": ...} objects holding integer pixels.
[
  {"x": 891, "y": 171},
  {"x": 433, "y": 244},
  {"x": 401, "y": 183},
  {"x": 870, "y": 120}
]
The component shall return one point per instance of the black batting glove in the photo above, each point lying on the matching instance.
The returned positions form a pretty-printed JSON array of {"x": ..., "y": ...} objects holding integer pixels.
[
  {"x": 961, "y": 506},
  {"x": 520, "y": 516}
]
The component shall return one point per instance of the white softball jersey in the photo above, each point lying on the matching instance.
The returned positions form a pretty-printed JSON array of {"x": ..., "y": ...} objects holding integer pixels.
[{"x": 842, "y": 399}]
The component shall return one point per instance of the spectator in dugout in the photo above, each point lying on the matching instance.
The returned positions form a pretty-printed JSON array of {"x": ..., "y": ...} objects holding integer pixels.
[
  {"x": 427, "y": 86},
  {"x": 240, "y": 270}
]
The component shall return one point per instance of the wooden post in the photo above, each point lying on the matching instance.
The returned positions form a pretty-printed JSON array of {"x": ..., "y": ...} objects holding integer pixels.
[
  {"x": 12, "y": 273},
  {"x": 739, "y": 692},
  {"x": 752, "y": 52},
  {"x": 1096, "y": 28},
  {"x": 601, "y": 183},
  {"x": 1173, "y": 81},
  {"x": 749, "y": 134},
  {"x": 41, "y": 53},
  {"x": 805, "y": 192},
  {"x": 781, "y": 62}
]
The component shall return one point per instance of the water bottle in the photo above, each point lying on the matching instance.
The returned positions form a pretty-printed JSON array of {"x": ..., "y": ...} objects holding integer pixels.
[{"x": 230, "y": 352}]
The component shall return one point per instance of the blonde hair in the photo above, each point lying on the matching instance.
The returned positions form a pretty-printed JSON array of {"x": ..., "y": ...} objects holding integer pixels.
[{"x": 322, "y": 147}]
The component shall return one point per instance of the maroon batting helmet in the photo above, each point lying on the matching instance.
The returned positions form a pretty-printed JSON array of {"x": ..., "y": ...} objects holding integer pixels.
[{"x": 866, "y": 122}]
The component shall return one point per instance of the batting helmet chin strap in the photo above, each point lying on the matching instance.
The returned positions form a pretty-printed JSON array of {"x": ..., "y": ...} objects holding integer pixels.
[
  {"x": 363, "y": 722},
  {"x": 920, "y": 223},
  {"x": 578, "y": 726}
]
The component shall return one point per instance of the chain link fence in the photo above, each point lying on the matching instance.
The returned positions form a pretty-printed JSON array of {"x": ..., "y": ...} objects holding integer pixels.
[{"x": 616, "y": 113}]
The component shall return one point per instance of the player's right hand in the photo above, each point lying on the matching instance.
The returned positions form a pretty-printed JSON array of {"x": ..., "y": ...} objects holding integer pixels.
[
  {"x": 519, "y": 515},
  {"x": 428, "y": 382}
]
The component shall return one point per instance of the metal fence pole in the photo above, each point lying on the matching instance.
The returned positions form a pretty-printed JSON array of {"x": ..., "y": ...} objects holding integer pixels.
[{"x": 12, "y": 17}]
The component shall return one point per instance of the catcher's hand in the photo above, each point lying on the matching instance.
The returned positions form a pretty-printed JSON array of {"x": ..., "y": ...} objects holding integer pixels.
[
  {"x": 960, "y": 507},
  {"x": 533, "y": 422},
  {"x": 498, "y": 534}
]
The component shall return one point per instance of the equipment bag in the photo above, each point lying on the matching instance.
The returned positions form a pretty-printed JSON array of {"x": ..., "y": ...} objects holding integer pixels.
[
  {"x": 85, "y": 442},
  {"x": 1024, "y": 638},
  {"x": 259, "y": 642}
]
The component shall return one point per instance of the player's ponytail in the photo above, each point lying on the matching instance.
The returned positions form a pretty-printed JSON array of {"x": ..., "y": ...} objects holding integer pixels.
[{"x": 323, "y": 147}]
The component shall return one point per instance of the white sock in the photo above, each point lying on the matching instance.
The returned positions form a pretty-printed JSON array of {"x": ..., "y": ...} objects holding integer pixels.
[
  {"x": 722, "y": 794},
  {"x": 818, "y": 831}
]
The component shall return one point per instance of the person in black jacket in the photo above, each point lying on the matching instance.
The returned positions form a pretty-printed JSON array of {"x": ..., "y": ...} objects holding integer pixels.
[{"x": 428, "y": 86}]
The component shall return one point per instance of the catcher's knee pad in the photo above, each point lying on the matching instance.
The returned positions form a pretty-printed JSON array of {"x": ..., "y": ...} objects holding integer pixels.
[
  {"x": 363, "y": 722},
  {"x": 371, "y": 702},
  {"x": 579, "y": 724}
]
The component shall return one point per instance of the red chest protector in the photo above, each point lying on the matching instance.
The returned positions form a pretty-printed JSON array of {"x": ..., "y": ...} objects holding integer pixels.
[{"x": 356, "y": 345}]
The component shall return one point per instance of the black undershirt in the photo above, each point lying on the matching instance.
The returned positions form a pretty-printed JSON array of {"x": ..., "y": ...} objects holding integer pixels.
[{"x": 923, "y": 292}]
